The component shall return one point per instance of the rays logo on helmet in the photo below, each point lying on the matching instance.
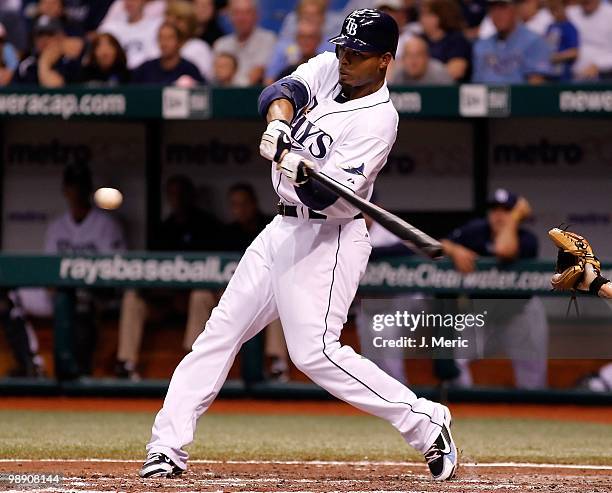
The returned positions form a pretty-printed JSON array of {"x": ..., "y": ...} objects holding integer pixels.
[{"x": 351, "y": 26}]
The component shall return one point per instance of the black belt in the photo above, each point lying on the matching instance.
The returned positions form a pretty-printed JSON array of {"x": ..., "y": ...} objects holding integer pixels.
[{"x": 291, "y": 210}]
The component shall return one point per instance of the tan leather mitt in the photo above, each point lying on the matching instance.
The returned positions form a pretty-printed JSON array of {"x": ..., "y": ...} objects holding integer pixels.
[{"x": 574, "y": 253}]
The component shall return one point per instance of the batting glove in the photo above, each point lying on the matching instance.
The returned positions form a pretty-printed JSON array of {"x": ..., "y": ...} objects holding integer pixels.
[
  {"x": 276, "y": 140},
  {"x": 293, "y": 167}
]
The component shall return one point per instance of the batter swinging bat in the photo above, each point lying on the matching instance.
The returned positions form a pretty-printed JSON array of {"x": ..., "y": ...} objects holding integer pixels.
[{"x": 415, "y": 238}]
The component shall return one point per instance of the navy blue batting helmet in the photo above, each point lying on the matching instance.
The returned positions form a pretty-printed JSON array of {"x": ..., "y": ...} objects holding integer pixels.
[{"x": 368, "y": 30}]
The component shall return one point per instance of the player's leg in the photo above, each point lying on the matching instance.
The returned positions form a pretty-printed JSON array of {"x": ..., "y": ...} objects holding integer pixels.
[
  {"x": 132, "y": 318},
  {"x": 390, "y": 360},
  {"x": 201, "y": 303},
  {"x": 276, "y": 350},
  {"x": 247, "y": 305},
  {"x": 526, "y": 341},
  {"x": 20, "y": 336},
  {"x": 316, "y": 275}
]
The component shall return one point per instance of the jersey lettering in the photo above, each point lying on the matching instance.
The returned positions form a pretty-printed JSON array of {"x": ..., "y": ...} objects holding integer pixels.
[{"x": 307, "y": 135}]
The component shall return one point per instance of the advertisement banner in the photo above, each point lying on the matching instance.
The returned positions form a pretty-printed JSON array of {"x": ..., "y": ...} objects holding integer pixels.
[{"x": 385, "y": 275}]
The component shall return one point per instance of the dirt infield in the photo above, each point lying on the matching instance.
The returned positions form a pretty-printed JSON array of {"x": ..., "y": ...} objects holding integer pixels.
[
  {"x": 106, "y": 475},
  {"x": 312, "y": 477}
]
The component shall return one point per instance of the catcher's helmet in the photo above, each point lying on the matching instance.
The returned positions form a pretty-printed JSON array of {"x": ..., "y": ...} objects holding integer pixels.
[{"x": 368, "y": 30}]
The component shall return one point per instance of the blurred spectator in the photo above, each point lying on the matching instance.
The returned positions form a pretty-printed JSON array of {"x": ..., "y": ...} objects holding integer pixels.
[
  {"x": 519, "y": 329},
  {"x": 247, "y": 222},
  {"x": 396, "y": 9},
  {"x": 81, "y": 230},
  {"x": 562, "y": 36},
  {"x": 56, "y": 58},
  {"x": 107, "y": 64},
  {"x": 535, "y": 17},
  {"x": 474, "y": 12},
  {"x": 186, "y": 229},
  {"x": 316, "y": 11},
  {"x": 136, "y": 32},
  {"x": 181, "y": 13},
  {"x": 247, "y": 219},
  {"x": 170, "y": 68},
  {"x": 208, "y": 28},
  {"x": 593, "y": 19},
  {"x": 251, "y": 45},
  {"x": 83, "y": 15},
  {"x": 9, "y": 59},
  {"x": 55, "y": 10},
  {"x": 418, "y": 68},
  {"x": 515, "y": 54},
  {"x": 119, "y": 11},
  {"x": 286, "y": 58},
  {"x": 16, "y": 28},
  {"x": 530, "y": 12},
  {"x": 442, "y": 29},
  {"x": 225, "y": 68},
  {"x": 402, "y": 14}
]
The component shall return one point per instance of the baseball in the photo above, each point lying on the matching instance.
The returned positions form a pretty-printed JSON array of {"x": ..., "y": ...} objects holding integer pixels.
[{"x": 108, "y": 198}]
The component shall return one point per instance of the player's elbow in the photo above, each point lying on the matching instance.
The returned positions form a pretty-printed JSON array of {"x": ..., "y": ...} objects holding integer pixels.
[{"x": 289, "y": 89}]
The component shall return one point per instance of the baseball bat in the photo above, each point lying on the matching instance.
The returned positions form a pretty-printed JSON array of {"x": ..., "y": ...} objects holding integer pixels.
[{"x": 414, "y": 238}]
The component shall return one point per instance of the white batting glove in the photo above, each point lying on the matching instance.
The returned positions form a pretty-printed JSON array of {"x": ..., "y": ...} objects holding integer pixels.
[
  {"x": 275, "y": 141},
  {"x": 292, "y": 166}
]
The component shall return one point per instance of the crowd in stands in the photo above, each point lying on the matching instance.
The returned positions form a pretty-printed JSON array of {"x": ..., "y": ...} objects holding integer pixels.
[{"x": 52, "y": 43}]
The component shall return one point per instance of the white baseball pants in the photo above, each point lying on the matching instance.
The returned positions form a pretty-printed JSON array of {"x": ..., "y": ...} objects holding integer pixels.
[{"x": 306, "y": 272}]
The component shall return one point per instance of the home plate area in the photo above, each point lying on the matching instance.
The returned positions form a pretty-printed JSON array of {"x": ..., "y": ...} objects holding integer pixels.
[{"x": 275, "y": 476}]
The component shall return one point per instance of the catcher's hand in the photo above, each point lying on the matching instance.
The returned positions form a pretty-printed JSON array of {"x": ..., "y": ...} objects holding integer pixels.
[{"x": 575, "y": 254}]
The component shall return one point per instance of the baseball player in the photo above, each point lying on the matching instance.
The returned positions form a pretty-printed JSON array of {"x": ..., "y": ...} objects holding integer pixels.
[{"x": 333, "y": 114}]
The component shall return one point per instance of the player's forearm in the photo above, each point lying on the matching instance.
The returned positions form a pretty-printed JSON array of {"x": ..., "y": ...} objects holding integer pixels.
[
  {"x": 536, "y": 79},
  {"x": 448, "y": 247},
  {"x": 565, "y": 56},
  {"x": 280, "y": 109},
  {"x": 506, "y": 243},
  {"x": 605, "y": 291},
  {"x": 49, "y": 77}
]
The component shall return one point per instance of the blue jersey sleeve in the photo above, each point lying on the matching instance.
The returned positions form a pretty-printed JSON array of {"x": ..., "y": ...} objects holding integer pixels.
[
  {"x": 287, "y": 88},
  {"x": 569, "y": 37},
  {"x": 537, "y": 59},
  {"x": 474, "y": 235}
]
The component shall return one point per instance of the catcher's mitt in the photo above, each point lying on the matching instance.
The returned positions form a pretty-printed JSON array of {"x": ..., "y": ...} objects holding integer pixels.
[{"x": 574, "y": 253}]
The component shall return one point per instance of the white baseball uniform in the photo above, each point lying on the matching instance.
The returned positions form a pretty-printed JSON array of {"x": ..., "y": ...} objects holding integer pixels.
[
  {"x": 305, "y": 271},
  {"x": 98, "y": 233}
]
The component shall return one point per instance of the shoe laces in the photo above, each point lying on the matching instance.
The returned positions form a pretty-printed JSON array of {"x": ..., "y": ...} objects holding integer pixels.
[
  {"x": 433, "y": 454},
  {"x": 156, "y": 456}
]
